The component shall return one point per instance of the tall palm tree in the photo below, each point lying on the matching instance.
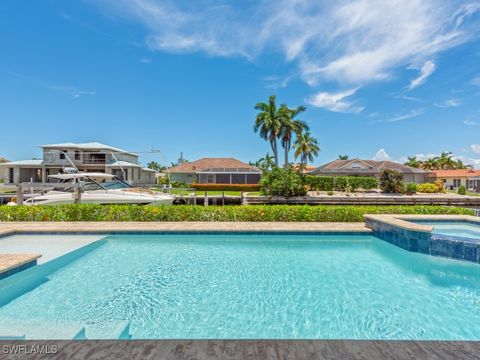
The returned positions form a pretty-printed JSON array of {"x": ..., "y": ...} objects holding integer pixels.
[
  {"x": 306, "y": 147},
  {"x": 290, "y": 126},
  {"x": 342, "y": 157},
  {"x": 268, "y": 123}
]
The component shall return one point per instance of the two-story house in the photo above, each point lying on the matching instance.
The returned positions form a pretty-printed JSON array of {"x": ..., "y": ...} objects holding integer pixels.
[{"x": 87, "y": 157}]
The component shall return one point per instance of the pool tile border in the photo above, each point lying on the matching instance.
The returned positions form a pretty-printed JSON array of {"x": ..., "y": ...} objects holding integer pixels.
[{"x": 416, "y": 237}]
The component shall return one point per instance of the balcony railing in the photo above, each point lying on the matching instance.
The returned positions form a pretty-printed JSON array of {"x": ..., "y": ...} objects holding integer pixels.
[{"x": 94, "y": 161}]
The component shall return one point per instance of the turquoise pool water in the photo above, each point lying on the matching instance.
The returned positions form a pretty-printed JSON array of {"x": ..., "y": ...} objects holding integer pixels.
[
  {"x": 259, "y": 286},
  {"x": 454, "y": 228}
]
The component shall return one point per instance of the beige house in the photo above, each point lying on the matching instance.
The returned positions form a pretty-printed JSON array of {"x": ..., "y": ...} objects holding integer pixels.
[
  {"x": 359, "y": 167},
  {"x": 87, "y": 157},
  {"x": 453, "y": 179},
  {"x": 215, "y": 171}
]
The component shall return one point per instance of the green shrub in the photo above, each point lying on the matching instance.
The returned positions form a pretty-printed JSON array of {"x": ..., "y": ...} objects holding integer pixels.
[
  {"x": 427, "y": 188},
  {"x": 285, "y": 213},
  {"x": 319, "y": 183},
  {"x": 283, "y": 182},
  {"x": 226, "y": 187},
  {"x": 329, "y": 193},
  {"x": 340, "y": 183},
  {"x": 462, "y": 190},
  {"x": 411, "y": 188},
  {"x": 391, "y": 181}
]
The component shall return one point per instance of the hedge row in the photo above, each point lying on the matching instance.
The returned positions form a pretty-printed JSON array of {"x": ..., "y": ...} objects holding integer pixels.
[
  {"x": 285, "y": 213},
  {"x": 340, "y": 183},
  {"x": 226, "y": 187}
]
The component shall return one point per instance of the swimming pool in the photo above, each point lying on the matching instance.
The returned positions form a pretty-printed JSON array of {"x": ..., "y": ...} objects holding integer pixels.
[
  {"x": 454, "y": 228},
  {"x": 238, "y": 286}
]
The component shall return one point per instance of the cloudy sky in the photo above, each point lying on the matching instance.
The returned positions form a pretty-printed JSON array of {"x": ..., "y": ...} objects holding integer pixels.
[{"x": 380, "y": 79}]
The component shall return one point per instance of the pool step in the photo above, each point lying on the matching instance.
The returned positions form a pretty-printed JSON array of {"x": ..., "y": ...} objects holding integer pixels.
[
  {"x": 111, "y": 330},
  {"x": 12, "y": 329}
]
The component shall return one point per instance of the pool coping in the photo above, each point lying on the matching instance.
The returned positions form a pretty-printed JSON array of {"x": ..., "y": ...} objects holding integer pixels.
[
  {"x": 404, "y": 221},
  {"x": 12, "y": 263},
  {"x": 88, "y": 227}
]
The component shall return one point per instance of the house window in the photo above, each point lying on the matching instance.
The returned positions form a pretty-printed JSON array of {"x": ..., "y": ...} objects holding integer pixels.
[
  {"x": 10, "y": 175},
  {"x": 62, "y": 154},
  {"x": 77, "y": 155},
  {"x": 457, "y": 182}
]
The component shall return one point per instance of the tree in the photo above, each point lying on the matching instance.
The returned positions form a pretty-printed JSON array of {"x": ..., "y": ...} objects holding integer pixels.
[
  {"x": 265, "y": 163},
  {"x": 290, "y": 127},
  {"x": 306, "y": 147},
  {"x": 391, "y": 181},
  {"x": 413, "y": 162},
  {"x": 156, "y": 166},
  {"x": 446, "y": 161},
  {"x": 343, "y": 157},
  {"x": 283, "y": 182},
  {"x": 267, "y": 123},
  {"x": 430, "y": 164}
]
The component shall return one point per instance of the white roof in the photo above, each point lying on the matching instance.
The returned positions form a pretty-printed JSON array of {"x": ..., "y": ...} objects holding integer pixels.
[
  {"x": 122, "y": 163},
  {"x": 147, "y": 169},
  {"x": 82, "y": 175},
  {"x": 86, "y": 146},
  {"x": 23, "y": 163}
]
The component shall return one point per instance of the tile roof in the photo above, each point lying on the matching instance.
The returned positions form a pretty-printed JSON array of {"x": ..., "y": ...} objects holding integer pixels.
[
  {"x": 372, "y": 166},
  {"x": 211, "y": 163},
  {"x": 456, "y": 173}
]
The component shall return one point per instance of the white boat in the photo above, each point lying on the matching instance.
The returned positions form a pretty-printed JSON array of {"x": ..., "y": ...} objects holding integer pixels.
[{"x": 97, "y": 188}]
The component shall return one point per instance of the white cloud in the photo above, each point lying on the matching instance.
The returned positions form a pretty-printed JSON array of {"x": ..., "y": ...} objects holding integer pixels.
[
  {"x": 146, "y": 61},
  {"x": 335, "y": 101},
  {"x": 350, "y": 41},
  {"x": 475, "y": 148},
  {"x": 381, "y": 155},
  {"x": 425, "y": 71},
  {"x": 470, "y": 122},
  {"x": 476, "y": 81},
  {"x": 409, "y": 115},
  {"x": 276, "y": 82},
  {"x": 448, "y": 103}
]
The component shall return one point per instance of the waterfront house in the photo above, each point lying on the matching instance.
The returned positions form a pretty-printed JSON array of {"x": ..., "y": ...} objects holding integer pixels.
[
  {"x": 453, "y": 179},
  {"x": 359, "y": 167},
  {"x": 215, "y": 171},
  {"x": 87, "y": 157}
]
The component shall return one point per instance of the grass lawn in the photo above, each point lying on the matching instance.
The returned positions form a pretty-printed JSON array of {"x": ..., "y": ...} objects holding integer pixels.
[{"x": 469, "y": 193}]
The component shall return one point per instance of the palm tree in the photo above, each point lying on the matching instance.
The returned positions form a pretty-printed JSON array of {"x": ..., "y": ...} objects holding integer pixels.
[
  {"x": 265, "y": 163},
  {"x": 289, "y": 126},
  {"x": 413, "y": 162},
  {"x": 430, "y": 164},
  {"x": 446, "y": 161},
  {"x": 268, "y": 124},
  {"x": 343, "y": 157},
  {"x": 306, "y": 147}
]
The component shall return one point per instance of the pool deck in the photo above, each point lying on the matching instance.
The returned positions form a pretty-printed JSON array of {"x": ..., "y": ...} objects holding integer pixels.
[
  {"x": 85, "y": 227},
  {"x": 248, "y": 349}
]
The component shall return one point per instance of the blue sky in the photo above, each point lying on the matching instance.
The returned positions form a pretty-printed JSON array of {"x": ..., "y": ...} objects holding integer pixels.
[{"x": 379, "y": 78}]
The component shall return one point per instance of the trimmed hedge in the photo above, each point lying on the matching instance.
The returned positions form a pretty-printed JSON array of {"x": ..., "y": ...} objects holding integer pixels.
[
  {"x": 340, "y": 183},
  {"x": 254, "y": 213},
  {"x": 226, "y": 187},
  {"x": 428, "y": 188}
]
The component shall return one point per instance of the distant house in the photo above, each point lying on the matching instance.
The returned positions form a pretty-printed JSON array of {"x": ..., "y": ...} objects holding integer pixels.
[
  {"x": 3, "y": 160},
  {"x": 215, "y": 171},
  {"x": 88, "y": 157},
  {"x": 452, "y": 179},
  {"x": 359, "y": 167}
]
